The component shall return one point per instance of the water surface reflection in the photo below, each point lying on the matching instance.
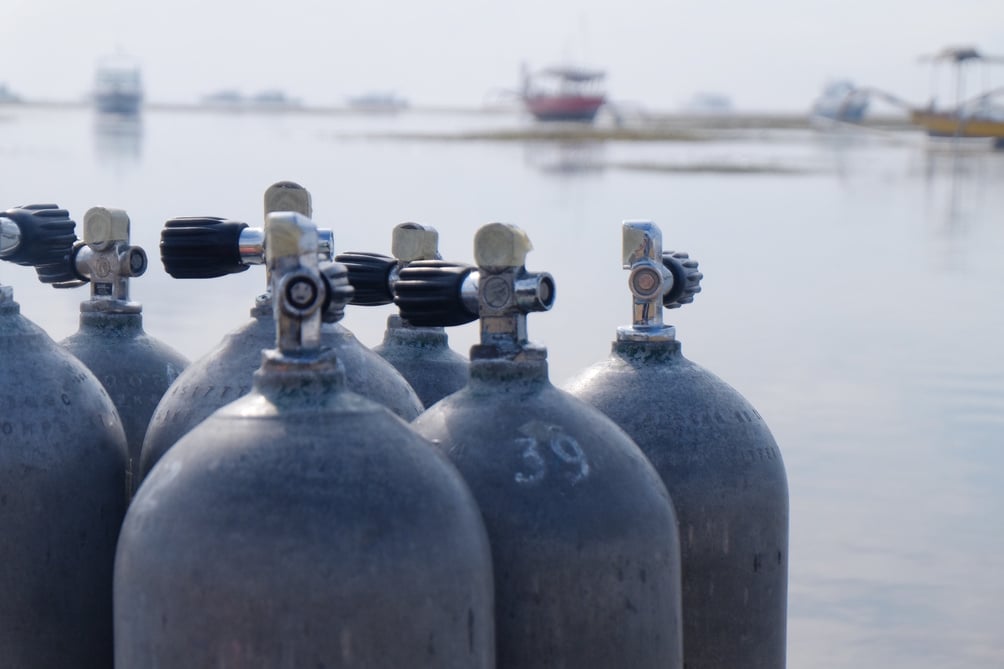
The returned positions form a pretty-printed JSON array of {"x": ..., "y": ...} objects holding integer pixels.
[
  {"x": 118, "y": 140},
  {"x": 856, "y": 301}
]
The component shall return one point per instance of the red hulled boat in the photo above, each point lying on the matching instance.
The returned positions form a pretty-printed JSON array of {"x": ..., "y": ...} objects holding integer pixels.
[{"x": 563, "y": 94}]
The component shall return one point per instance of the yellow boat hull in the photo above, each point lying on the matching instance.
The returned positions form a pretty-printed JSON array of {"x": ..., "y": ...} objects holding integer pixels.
[{"x": 941, "y": 124}]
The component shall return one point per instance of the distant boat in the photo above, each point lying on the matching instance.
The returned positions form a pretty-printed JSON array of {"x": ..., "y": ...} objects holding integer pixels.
[
  {"x": 273, "y": 99},
  {"x": 979, "y": 116},
  {"x": 228, "y": 98},
  {"x": 841, "y": 101},
  {"x": 563, "y": 93},
  {"x": 709, "y": 104},
  {"x": 378, "y": 102},
  {"x": 233, "y": 100},
  {"x": 118, "y": 87},
  {"x": 8, "y": 96},
  {"x": 986, "y": 121}
]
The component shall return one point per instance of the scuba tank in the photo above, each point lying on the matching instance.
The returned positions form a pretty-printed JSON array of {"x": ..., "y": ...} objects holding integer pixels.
[
  {"x": 211, "y": 247},
  {"x": 303, "y": 525},
  {"x": 583, "y": 534},
  {"x": 62, "y": 474},
  {"x": 135, "y": 368},
  {"x": 717, "y": 458},
  {"x": 422, "y": 354}
]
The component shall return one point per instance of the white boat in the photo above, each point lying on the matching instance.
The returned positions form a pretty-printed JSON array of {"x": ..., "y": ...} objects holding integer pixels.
[
  {"x": 230, "y": 99},
  {"x": 7, "y": 95},
  {"x": 227, "y": 98},
  {"x": 709, "y": 104},
  {"x": 841, "y": 101},
  {"x": 118, "y": 86},
  {"x": 378, "y": 102},
  {"x": 273, "y": 99}
]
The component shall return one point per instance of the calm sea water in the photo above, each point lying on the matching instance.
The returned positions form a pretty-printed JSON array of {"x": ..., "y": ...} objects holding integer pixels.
[{"x": 853, "y": 292}]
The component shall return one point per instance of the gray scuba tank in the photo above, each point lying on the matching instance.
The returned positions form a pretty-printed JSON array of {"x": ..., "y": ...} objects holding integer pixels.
[
  {"x": 303, "y": 525},
  {"x": 62, "y": 475},
  {"x": 717, "y": 458}
]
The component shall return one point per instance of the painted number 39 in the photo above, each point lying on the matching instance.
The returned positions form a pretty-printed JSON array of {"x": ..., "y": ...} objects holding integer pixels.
[{"x": 547, "y": 448}]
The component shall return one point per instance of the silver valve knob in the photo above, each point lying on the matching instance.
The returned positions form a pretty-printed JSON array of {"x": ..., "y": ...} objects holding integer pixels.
[
  {"x": 304, "y": 294},
  {"x": 656, "y": 280},
  {"x": 105, "y": 258},
  {"x": 507, "y": 292},
  {"x": 251, "y": 245}
]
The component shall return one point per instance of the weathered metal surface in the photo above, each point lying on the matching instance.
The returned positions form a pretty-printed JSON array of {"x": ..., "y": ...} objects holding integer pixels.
[
  {"x": 424, "y": 358},
  {"x": 135, "y": 369}
]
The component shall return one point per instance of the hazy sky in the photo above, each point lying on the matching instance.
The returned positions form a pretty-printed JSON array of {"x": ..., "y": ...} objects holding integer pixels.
[{"x": 764, "y": 54}]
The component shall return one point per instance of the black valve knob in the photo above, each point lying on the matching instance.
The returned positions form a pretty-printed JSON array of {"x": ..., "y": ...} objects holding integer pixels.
[
  {"x": 338, "y": 293},
  {"x": 429, "y": 293},
  {"x": 201, "y": 247},
  {"x": 369, "y": 274},
  {"x": 46, "y": 235},
  {"x": 686, "y": 279}
]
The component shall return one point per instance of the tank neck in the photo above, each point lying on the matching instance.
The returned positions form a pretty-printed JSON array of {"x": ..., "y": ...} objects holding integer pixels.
[
  {"x": 104, "y": 320},
  {"x": 525, "y": 352},
  {"x": 400, "y": 331},
  {"x": 651, "y": 350},
  {"x": 7, "y": 304},
  {"x": 299, "y": 380},
  {"x": 109, "y": 306},
  {"x": 492, "y": 371},
  {"x": 647, "y": 333}
]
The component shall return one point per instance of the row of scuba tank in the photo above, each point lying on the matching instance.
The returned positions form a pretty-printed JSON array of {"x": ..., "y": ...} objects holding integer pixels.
[{"x": 295, "y": 499}]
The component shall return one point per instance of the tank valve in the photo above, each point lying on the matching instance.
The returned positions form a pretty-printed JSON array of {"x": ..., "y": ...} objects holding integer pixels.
[
  {"x": 304, "y": 294},
  {"x": 656, "y": 280},
  {"x": 507, "y": 292},
  {"x": 428, "y": 291},
  {"x": 500, "y": 291},
  {"x": 374, "y": 275},
  {"x": 105, "y": 258}
]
